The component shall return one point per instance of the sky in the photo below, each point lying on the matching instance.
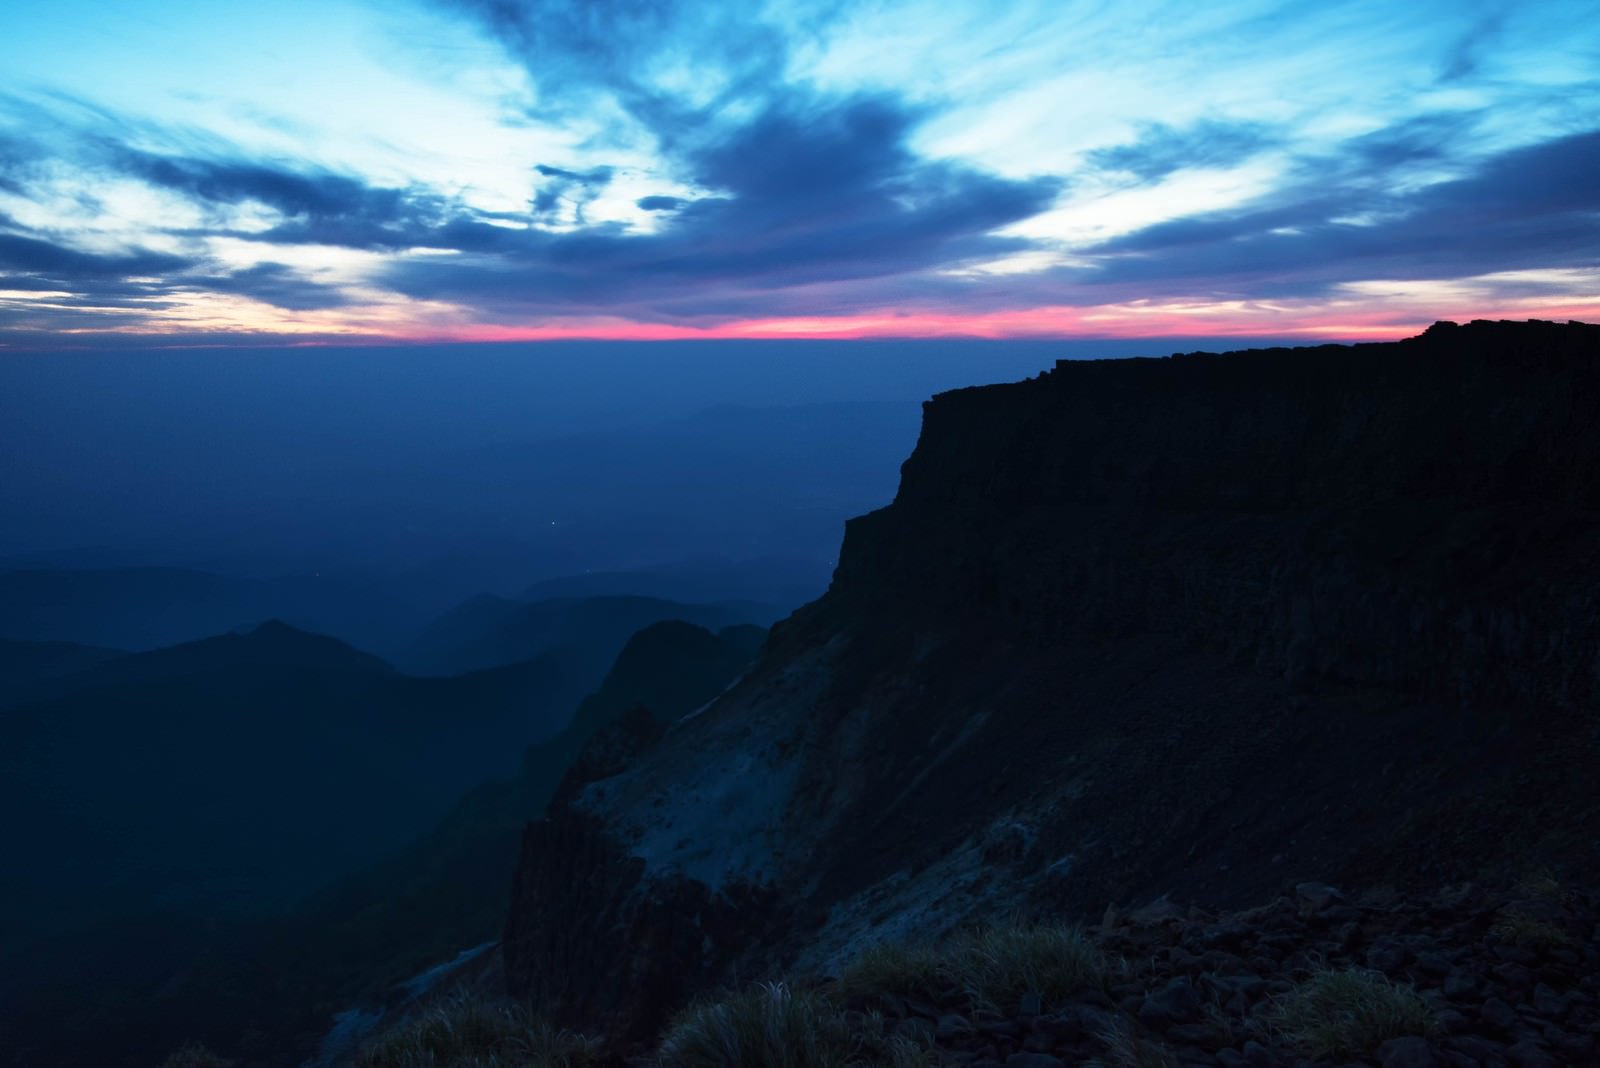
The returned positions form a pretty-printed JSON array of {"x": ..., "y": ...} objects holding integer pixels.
[{"x": 176, "y": 172}]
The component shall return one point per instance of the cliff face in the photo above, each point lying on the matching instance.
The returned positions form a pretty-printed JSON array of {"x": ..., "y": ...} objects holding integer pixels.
[{"x": 1204, "y": 626}]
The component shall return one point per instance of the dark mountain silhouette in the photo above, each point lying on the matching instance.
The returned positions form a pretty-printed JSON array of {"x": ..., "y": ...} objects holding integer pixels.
[
  {"x": 28, "y": 668},
  {"x": 240, "y": 770},
  {"x": 486, "y": 631},
  {"x": 283, "y": 977},
  {"x": 273, "y": 644},
  {"x": 144, "y": 608},
  {"x": 1204, "y": 626}
]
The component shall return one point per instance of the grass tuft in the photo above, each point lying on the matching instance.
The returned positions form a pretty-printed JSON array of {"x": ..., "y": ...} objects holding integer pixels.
[
  {"x": 1348, "y": 1013},
  {"x": 768, "y": 1025},
  {"x": 998, "y": 966},
  {"x": 1127, "y": 1049},
  {"x": 905, "y": 970},
  {"x": 1517, "y": 928},
  {"x": 195, "y": 1055},
  {"x": 1543, "y": 885},
  {"x": 462, "y": 1031}
]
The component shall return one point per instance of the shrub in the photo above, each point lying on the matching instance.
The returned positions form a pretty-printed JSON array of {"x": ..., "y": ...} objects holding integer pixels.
[
  {"x": 769, "y": 1025},
  {"x": 998, "y": 966},
  {"x": 195, "y": 1055},
  {"x": 1348, "y": 1013},
  {"x": 463, "y": 1031}
]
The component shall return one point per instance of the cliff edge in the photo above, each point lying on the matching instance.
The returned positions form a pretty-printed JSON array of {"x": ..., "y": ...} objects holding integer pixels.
[{"x": 1204, "y": 626}]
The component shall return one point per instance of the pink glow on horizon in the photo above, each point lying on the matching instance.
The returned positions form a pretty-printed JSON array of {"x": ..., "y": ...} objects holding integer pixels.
[
  {"x": 1365, "y": 318},
  {"x": 1121, "y": 321}
]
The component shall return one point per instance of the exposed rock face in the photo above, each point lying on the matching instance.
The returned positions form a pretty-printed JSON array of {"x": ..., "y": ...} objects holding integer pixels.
[
  {"x": 1206, "y": 626},
  {"x": 591, "y": 938}
]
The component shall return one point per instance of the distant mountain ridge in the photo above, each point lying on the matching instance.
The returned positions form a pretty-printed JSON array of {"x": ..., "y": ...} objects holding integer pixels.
[{"x": 145, "y": 608}]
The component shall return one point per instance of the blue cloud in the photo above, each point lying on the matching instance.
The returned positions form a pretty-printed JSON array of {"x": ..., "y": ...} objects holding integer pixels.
[
  {"x": 1532, "y": 207},
  {"x": 817, "y": 190},
  {"x": 49, "y": 261},
  {"x": 271, "y": 283},
  {"x": 1161, "y": 149}
]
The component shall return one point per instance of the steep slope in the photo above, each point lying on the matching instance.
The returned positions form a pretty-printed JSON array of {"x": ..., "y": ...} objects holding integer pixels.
[{"x": 1204, "y": 626}]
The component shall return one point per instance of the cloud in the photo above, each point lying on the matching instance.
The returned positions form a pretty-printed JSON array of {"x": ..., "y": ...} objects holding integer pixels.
[
  {"x": 310, "y": 195},
  {"x": 1532, "y": 207},
  {"x": 1160, "y": 149},
  {"x": 813, "y": 191},
  {"x": 92, "y": 283},
  {"x": 38, "y": 258},
  {"x": 271, "y": 283},
  {"x": 794, "y": 186},
  {"x": 564, "y": 188},
  {"x": 318, "y": 207},
  {"x": 653, "y": 57}
]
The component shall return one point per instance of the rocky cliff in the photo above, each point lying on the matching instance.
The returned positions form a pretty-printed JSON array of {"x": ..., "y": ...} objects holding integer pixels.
[{"x": 1203, "y": 626}]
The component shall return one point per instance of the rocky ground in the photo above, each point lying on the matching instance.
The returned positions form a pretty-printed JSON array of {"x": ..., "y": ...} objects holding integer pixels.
[{"x": 1508, "y": 978}]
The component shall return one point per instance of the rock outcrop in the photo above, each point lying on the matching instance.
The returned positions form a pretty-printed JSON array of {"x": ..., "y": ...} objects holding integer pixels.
[{"x": 1205, "y": 626}]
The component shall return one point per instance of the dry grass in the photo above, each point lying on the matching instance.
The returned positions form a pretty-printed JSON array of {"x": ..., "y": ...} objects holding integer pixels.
[
  {"x": 906, "y": 970},
  {"x": 1348, "y": 1013},
  {"x": 195, "y": 1055},
  {"x": 1543, "y": 885},
  {"x": 897, "y": 1051},
  {"x": 994, "y": 966},
  {"x": 1517, "y": 928},
  {"x": 998, "y": 966},
  {"x": 466, "y": 1032},
  {"x": 769, "y": 1025},
  {"x": 1127, "y": 1049}
]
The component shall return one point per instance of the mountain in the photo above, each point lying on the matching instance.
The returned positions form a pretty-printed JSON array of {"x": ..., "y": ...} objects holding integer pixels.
[
  {"x": 1203, "y": 626},
  {"x": 27, "y": 668},
  {"x": 267, "y": 988},
  {"x": 236, "y": 772},
  {"x": 144, "y": 608},
  {"x": 487, "y": 631}
]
